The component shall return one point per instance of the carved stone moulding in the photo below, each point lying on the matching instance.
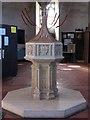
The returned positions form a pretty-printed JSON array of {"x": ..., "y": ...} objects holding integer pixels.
[{"x": 44, "y": 51}]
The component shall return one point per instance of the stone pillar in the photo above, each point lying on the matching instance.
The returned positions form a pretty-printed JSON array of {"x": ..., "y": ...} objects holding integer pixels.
[{"x": 44, "y": 80}]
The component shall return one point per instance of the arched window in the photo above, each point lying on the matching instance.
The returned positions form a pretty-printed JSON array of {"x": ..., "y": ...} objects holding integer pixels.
[
  {"x": 52, "y": 8},
  {"x": 51, "y": 13}
]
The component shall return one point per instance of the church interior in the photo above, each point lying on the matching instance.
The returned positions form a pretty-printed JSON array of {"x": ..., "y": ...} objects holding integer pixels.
[{"x": 72, "y": 28}]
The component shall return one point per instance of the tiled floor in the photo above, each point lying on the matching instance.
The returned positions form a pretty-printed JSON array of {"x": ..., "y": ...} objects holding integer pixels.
[{"x": 74, "y": 76}]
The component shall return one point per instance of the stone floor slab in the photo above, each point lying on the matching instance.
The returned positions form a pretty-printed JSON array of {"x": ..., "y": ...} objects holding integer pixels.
[{"x": 67, "y": 103}]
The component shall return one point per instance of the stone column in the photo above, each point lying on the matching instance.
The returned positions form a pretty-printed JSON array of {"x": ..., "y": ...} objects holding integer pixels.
[{"x": 44, "y": 80}]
